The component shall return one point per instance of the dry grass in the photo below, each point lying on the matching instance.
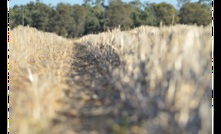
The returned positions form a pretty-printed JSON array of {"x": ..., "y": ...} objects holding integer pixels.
[
  {"x": 164, "y": 76},
  {"x": 145, "y": 81},
  {"x": 39, "y": 63}
]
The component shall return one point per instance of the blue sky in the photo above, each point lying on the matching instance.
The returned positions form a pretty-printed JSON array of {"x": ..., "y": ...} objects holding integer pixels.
[{"x": 54, "y": 2}]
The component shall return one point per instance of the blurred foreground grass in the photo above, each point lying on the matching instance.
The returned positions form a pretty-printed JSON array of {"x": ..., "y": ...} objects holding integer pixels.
[
  {"x": 144, "y": 81},
  {"x": 39, "y": 66}
]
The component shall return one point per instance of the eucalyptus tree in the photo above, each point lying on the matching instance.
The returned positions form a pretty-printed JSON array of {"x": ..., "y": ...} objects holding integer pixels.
[
  {"x": 136, "y": 12},
  {"x": 40, "y": 16},
  {"x": 195, "y": 13},
  {"x": 118, "y": 13},
  {"x": 165, "y": 13}
]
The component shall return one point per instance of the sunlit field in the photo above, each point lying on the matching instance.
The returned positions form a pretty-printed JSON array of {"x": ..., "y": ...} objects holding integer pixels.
[
  {"x": 39, "y": 65},
  {"x": 148, "y": 80}
]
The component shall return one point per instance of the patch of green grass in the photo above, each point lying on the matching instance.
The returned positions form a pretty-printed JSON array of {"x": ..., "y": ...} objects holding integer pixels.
[{"x": 122, "y": 128}]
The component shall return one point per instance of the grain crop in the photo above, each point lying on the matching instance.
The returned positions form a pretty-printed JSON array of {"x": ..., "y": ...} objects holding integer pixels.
[
  {"x": 148, "y": 80},
  {"x": 39, "y": 63},
  {"x": 158, "y": 76}
]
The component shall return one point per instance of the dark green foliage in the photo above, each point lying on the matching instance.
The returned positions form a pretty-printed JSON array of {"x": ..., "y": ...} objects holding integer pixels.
[
  {"x": 92, "y": 24},
  {"x": 40, "y": 16},
  {"x": 20, "y": 15},
  {"x": 148, "y": 15},
  {"x": 94, "y": 19},
  {"x": 195, "y": 13},
  {"x": 67, "y": 20},
  {"x": 118, "y": 14},
  {"x": 61, "y": 21},
  {"x": 79, "y": 16},
  {"x": 165, "y": 13},
  {"x": 15, "y": 16},
  {"x": 136, "y": 13},
  {"x": 94, "y": 16}
]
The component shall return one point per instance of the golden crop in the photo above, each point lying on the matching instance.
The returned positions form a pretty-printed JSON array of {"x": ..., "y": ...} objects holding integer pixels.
[{"x": 161, "y": 77}]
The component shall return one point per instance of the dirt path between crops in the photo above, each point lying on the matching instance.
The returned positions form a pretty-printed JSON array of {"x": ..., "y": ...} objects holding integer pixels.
[{"x": 92, "y": 103}]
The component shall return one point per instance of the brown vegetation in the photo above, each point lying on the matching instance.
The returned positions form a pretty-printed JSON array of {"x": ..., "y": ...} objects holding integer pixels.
[
  {"x": 162, "y": 79},
  {"x": 144, "y": 81},
  {"x": 39, "y": 63}
]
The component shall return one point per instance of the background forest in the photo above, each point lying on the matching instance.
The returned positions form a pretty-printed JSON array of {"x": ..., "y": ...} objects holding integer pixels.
[{"x": 93, "y": 16}]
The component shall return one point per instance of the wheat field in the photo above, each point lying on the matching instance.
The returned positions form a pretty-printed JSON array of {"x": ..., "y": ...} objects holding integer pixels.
[
  {"x": 39, "y": 63},
  {"x": 144, "y": 81}
]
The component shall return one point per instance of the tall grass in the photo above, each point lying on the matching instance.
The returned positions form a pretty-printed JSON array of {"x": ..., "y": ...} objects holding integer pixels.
[
  {"x": 163, "y": 78},
  {"x": 39, "y": 63},
  {"x": 147, "y": 80}
]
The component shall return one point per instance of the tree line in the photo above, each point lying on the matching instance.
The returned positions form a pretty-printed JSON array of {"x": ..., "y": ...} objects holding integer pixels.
[{"x": 93, "y": 16}]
